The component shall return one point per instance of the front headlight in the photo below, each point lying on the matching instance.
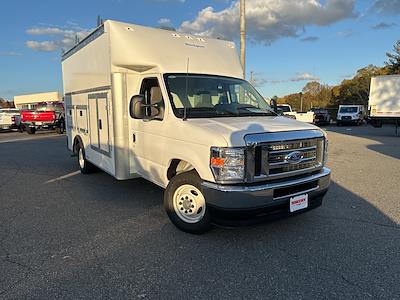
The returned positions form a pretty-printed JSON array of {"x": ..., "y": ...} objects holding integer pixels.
[{"x": 227, "y": 164}]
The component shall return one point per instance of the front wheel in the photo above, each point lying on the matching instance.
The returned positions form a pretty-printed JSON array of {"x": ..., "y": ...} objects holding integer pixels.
[{"x": 185, "y": 203}]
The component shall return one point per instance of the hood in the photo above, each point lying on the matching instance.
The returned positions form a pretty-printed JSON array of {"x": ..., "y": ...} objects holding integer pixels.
[{"x": 233, "y": 130}]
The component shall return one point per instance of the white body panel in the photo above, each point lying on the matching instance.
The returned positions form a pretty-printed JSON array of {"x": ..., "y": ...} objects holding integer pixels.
[
  {"x": 101, "y": 77},
  {"x": 384, "y": 99}
]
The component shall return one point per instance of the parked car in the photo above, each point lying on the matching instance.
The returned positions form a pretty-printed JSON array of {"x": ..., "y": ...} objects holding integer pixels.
[
  {"x": 46, "y": 115},
  {"x": 322, "y": 116},
  {"x": 283, "y": 109},
  {"x": 286, "y": 110},
  {"x": 186, "y": 120},
  {"x": 9, "y": 118},
  {"x": 350, "y": 114}
]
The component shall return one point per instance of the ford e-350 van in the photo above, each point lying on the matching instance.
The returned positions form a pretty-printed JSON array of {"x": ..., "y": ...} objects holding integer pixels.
[{"x": 174, "y": 109}]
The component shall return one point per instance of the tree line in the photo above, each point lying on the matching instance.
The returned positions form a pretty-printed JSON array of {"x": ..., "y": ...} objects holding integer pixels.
[
  {"x": 349, "y": 91},
  {"x": 6, "y": 104}
]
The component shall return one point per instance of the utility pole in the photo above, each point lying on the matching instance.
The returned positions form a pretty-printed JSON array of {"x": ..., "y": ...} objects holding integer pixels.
[
  {"x": 243, "y": 36},
  {"x": 301, "y": 102},
  {"x": 252, "y": 77}
]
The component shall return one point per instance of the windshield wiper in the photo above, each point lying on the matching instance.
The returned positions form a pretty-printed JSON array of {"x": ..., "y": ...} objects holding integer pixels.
[{"x": 251, "y": 110}]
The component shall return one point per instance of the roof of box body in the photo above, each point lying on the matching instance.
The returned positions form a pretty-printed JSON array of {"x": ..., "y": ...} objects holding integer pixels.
[{"x": 141, "y": 49}]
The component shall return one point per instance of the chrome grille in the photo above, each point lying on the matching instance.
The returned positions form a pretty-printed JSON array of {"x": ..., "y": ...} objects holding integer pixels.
[
  {"x": 276, "y": 157},
  {"x": 266, "y": 154}
]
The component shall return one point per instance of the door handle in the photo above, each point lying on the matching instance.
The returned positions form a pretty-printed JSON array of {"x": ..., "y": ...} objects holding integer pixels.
[
  {"x": 100, "y": 126},
  {"x": 133, "y": 137}
]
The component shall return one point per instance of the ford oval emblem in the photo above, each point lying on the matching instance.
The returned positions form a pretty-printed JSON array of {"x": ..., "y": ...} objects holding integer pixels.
[{"x": 294, "y": 157}]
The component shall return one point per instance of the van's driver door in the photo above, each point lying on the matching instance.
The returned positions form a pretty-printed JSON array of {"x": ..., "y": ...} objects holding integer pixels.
[{"x": 148, "y": 134}]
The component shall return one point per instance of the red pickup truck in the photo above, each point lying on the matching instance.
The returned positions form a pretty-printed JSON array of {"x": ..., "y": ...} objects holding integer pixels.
[{"x": 46, "y": 116}]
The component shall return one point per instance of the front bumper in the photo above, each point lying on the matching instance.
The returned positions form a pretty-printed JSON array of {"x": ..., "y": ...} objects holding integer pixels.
[
  {"x": 349, "y": 119},
  {"x": 268, "y": 195}
]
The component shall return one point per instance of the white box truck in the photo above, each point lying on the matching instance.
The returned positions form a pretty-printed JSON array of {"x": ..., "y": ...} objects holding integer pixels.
[
  {"x": 173, "y": 108},
  {"x": 384, "y": 100}
]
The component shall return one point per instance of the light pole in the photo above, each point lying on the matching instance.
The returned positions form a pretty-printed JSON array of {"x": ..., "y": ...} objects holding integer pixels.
[
  {"x": 243, "y": 36},
  {"x": 301, "y": 102}
]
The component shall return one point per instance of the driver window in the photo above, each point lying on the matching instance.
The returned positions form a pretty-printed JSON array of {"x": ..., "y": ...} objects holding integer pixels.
[{"x": 153, "y": 96}]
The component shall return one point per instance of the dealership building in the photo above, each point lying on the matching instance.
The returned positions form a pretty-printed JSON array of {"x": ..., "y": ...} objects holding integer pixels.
[{"x": 30, "y": 101}]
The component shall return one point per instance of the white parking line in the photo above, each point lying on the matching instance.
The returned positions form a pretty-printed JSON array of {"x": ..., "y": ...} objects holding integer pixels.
[
  {"x": 62, "y": 177},
  {"x": 29, "y": 139}
]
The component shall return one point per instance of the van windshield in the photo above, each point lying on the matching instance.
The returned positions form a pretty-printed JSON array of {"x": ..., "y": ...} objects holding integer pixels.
[
  {"x": 348, "y": 110},
  {"x": 205, "y": 96}
]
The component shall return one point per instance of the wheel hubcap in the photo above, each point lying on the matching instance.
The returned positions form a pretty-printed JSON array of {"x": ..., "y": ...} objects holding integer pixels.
[
  {"x": 189, "y": 203},
  {"x": 81, "y": 159}
]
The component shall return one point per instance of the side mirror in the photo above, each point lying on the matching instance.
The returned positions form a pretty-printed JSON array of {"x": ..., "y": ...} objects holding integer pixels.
[
  {"x": 274, "y": 105},
  {"x": 136, "y": 108}
]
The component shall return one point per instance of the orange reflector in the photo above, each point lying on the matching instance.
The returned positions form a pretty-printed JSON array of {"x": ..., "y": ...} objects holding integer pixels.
[{"x": 217, "y": 161}]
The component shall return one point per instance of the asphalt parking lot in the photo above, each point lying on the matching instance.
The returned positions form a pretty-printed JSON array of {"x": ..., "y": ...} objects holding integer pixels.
[{"x": 67, "y": 235}]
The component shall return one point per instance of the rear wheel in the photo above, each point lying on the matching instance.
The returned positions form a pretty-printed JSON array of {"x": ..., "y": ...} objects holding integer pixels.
[
  {"x": 31, "y": 130},
  {"x": 185, "y": 203},
  {"x": 84, "y": 166}
]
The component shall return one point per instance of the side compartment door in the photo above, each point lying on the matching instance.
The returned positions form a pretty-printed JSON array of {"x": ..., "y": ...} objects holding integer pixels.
[{"x": 98, "y": 120}]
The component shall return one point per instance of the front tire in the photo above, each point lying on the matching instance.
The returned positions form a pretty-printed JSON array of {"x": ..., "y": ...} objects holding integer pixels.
[{"x": 185, "y": 203}]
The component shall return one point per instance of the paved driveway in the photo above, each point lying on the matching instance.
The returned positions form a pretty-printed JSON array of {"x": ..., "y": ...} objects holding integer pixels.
[{"x": 66, "y": 235}]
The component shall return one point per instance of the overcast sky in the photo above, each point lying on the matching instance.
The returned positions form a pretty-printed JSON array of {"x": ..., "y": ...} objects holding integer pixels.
[{"x": 290, "y": 42}]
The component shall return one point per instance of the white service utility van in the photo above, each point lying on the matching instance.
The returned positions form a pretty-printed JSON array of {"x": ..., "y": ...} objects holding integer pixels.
[
  {"x": 384, "y": 100},
  {"x": 350, "y": 114},
  {"x": 173, "y": 108}
]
